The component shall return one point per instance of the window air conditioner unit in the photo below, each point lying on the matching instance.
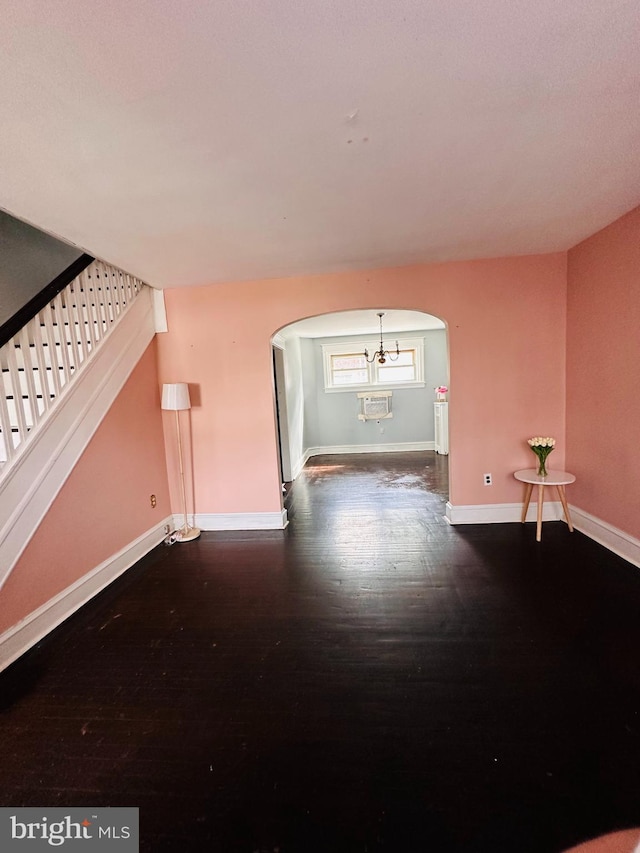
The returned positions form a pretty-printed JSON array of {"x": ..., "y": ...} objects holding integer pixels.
[{"x": 374, "y": 407}]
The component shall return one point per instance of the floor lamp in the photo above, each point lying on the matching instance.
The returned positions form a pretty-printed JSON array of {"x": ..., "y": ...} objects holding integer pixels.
[{"x": 175, "y": 398}]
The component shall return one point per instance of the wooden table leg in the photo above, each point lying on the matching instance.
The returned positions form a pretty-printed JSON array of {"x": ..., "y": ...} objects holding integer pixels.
[
  {"x": 527, "y": 497},
  {"x": 540, "y": 504},
  {"x": 563, "y": 499}
]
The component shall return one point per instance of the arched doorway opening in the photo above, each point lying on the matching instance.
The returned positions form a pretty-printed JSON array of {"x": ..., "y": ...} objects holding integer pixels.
[{"x": 330, "y": 399}]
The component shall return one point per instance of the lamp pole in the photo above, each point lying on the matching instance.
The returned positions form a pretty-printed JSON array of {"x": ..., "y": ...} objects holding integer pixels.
[{"x": 175, "y": 397}]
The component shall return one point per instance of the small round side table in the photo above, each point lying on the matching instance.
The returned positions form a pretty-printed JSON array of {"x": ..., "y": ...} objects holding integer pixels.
[{"x": 531, "y": 478}]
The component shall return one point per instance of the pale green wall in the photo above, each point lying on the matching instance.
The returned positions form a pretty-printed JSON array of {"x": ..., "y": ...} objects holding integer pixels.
[{"x": 331, "y": 419}]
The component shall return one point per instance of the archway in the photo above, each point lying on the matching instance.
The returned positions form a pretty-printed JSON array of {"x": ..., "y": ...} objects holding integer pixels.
[{"x": 327, "y": 381}]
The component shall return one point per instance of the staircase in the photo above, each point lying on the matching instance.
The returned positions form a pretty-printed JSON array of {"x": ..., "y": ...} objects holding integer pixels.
[
  {"x": 61, "y": 373},
  {"x": 40, "y": 361}
]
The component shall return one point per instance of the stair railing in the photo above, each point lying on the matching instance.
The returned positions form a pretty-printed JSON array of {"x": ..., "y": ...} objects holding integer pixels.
[{"x": 40, "y": 361}]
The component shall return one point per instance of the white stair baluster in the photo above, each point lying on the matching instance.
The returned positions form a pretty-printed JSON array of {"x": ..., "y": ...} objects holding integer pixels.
[
  {"x": 61, "y": 339},
  {"x": 6, "y": 446},
  {"x": 52, "y": 356},
  {"x": 76, "y": 313},
  {"x": 19, "y": 417},
  {"x": 40, "y": 353},
  {"x": 45, "y": 355},
  {"x": 31, "y": 391},
  {"x": 88, "y": 303}
]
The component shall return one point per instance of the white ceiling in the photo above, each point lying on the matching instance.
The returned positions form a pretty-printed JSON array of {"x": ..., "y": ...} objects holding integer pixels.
[
  {"x": 362, "y": 323},
  {"x": 208, "y": 140}
]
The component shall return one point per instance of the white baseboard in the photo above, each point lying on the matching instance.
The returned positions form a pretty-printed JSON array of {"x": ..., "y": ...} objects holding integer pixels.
[
  {"x": 612, "y": 538},
  {"x": 500, "y": 513},
  {"x": 369, "y": 448},
  {"x": 360, "y": 448},
  {"x": 237, "y": 520},
  {"x": 616, "y": 540},
  {"x": 21, "y": 637}
]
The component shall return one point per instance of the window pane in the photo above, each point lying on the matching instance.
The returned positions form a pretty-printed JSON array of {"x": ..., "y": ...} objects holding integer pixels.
[
  {"x": 407, "y": 356},
  {"x": 403, "y": 369},
  {"x": 349, "y": 369},
  {"x": 350, "y": 377},
  {"x": 348, "y": 362},
  {"x": 396, "y": 374}
]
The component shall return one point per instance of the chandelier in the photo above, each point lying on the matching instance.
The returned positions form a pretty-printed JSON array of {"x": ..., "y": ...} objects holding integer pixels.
[{"x": 382, "y": 354}]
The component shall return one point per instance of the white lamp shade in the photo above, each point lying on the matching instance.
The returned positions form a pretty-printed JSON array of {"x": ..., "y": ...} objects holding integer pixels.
[{"x": 175, "y": 396}]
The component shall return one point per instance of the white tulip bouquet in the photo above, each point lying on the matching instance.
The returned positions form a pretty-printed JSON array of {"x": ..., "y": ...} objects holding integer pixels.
[{"x": 542, "y": 447}]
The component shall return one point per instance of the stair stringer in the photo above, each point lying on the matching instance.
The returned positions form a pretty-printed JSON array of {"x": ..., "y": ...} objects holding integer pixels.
[{"x": 30, "y": 486}]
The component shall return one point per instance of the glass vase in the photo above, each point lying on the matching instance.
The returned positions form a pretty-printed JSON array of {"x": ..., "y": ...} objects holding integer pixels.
[{"x": 542, "y": 463}]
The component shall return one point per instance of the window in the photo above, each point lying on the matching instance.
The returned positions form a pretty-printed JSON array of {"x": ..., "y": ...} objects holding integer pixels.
[
  {"x": 346, "y": 368},
  {"x": 401, "y": 370},
  {"x": 349, "y": 369}
]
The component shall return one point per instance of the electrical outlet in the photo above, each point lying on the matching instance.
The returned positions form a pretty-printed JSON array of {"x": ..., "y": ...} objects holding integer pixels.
[
  {"x": 487, "y": 480},
  {"x": 153, "y": 500}
]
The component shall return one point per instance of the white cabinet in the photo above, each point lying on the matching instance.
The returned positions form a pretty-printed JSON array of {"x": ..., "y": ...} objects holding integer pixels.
[{"x": 441, "y": 419}]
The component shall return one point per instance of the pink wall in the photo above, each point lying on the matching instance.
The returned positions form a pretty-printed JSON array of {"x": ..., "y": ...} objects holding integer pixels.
[
  {"x": 506, "y": 322},
  {"x": 603, "y": 373},
  {"x": 105, "y": 503}
]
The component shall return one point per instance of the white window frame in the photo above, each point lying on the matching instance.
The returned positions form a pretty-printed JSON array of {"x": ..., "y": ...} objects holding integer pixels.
[{"x": 358, "y": 347}]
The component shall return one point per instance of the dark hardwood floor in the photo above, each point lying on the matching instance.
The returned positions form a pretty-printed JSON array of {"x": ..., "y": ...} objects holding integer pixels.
[{"x": 369, "y": 680}]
